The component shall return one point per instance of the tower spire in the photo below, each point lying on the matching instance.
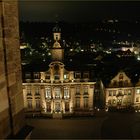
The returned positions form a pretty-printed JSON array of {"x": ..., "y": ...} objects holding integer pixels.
[{"x": 57, "y": 51}]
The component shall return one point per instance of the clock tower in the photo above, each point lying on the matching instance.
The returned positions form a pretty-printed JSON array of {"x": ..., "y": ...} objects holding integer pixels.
[{"x": 57, "y": 51}]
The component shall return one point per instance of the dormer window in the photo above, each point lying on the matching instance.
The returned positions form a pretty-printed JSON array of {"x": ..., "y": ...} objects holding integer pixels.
[
  {"x": 121, "y": 77},
  {"x": 86, "y": 75},
  {"x": 66, "y": 76},
  {"x": 36, "y": 75},
  {"x": 77, "y": 75},
  {"x": 47, "y": 76},
  {"x": 56, "y": 76},
  {"x": 27, "y": 75}
]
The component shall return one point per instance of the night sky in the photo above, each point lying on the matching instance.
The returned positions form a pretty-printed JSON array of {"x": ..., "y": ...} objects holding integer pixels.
[{"x": 77, "y": 11}]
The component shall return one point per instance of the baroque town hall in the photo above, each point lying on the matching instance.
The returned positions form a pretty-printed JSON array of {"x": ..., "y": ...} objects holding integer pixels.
[{"x": 56, "y": 91}]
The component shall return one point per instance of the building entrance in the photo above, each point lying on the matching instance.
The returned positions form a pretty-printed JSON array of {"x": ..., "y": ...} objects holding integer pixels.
[{"x": 57, "y": 107}]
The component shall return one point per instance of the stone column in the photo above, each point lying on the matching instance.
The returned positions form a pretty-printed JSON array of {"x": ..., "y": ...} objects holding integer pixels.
[
  {"x": 72, "y": 98},
  {"x": 61, "y": 74},
  {"x": 91, "y": 95},
  {"x": 63, "y": 106},
  {"x": 42, "y": 98},
  {"x": 11, "y": 96}
]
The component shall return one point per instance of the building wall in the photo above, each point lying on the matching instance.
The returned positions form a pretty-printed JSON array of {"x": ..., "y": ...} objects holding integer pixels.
[
  {"x": 57, "y": 78},
  {"x": 136, "y": 99},
  {"x": 124, "y": 100},
  {"x": 11, "y": 97},
  {"x": 43, "y": 100},
  {"x": 122, "y": 93}
]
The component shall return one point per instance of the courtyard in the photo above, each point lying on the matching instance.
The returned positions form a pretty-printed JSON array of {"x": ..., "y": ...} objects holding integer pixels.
[{"x": 102, "y": 126}]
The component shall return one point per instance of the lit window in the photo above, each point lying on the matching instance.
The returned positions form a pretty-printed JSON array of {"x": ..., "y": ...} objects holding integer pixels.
[
  {"x": 56, "y": 76},
  {"x": 48, "y": 93},
  {"x": 120, "y": 93},
  {"x": 57, "y": 92},
  {"x": 137, "y": 99},
  {"x": 37, "y": 103},
  {"x": 110, "y": 93},
  {"x": 66, "y": 93},
  {"x": 37, "y": 91},
  {"x": 138, "y": 91},
  {"x": 121, "y": 77},
  {"x": 29, "y": 103},
  {"x": 114, "y": 101},
  {"x": 77, "y": 103},
  {"x": 114, "y": 93},
  {"x": 36, "y": 75},
  {"x": 119, "y": 101},
  {"x": 125, "y": 92},
  {"x": 77, "y": 89},
  {"x": 128, "y": 100},
  {"x": 66, "y": 76},
  {"x": 129, "y": 92},
  {"x": 28, "y": 90},
  {"x": 85, "y": 102},
  {"x": 85, "y": 89}
]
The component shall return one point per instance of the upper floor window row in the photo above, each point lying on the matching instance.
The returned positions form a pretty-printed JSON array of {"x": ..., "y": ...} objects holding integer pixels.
[
  {"x": 120, "y": 83},
  {"x": 79, "y": 75}
]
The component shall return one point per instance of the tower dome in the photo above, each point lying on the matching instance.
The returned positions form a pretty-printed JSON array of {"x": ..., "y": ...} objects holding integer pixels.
[
  {"x": 56, "y": 29},
  {"x": 57, "y": 33}
]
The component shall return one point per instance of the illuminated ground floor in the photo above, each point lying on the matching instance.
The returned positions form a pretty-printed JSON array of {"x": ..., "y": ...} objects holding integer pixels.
[{"x": 59, "y": 100}]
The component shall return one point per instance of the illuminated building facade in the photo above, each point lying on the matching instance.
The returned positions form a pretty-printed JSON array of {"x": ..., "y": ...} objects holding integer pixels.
[
  {"x": 122, "y": 93},
  {"x": 56, "y": 91}
]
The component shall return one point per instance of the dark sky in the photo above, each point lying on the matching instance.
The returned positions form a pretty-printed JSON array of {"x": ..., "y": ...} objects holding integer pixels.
[{"x": 77, "y": 11}]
